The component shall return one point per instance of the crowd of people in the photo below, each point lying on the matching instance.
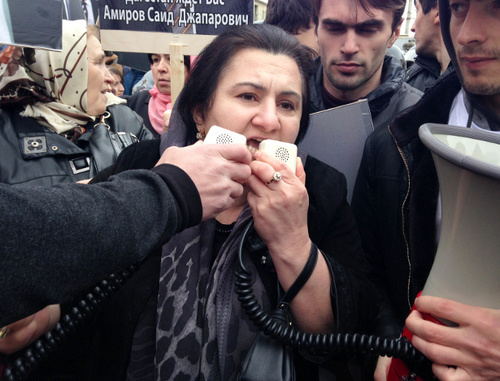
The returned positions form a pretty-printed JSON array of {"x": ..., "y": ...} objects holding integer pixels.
[{"x": 94, "y": 180}]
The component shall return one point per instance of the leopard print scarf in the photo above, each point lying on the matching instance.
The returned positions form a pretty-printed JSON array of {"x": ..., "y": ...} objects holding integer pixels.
[{"x": 202, "y": 333}]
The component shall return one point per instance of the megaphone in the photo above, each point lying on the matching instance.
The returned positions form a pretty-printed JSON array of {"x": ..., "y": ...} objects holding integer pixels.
[{"x": 467, "y": 260}]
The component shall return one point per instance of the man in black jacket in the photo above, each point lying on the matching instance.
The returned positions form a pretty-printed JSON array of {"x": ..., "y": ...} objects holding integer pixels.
[
  {"x": 58, "y": 241},
  {"x": 353, "y": 39},
  {"x": 432, "y": 58},
  {"x": 396, "y": 199}
]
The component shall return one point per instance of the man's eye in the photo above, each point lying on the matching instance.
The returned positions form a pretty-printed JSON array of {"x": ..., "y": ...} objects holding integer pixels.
[
  {"x": 335, "y": 29},
  {"x": 459, "y": 8},
  {"x": 366, "y": 30}
]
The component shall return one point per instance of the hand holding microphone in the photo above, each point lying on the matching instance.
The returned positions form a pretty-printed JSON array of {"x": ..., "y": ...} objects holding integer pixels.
[{"x": 218, "y": 171}]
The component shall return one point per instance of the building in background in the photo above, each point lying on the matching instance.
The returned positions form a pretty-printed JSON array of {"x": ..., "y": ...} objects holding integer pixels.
[{"x": 260, "y": 7}]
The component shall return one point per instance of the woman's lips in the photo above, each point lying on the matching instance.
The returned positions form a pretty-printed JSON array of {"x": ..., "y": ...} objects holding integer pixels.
[{"x": 253, "y": 145}]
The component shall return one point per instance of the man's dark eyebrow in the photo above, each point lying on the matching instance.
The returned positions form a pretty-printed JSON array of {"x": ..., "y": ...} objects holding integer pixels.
[{"x": 368, "y": 23}]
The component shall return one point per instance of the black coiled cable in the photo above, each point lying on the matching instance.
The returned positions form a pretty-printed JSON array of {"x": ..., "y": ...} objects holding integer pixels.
[
  {"x": 69, "y": 323},
  {"x": 321, "y": 344}
]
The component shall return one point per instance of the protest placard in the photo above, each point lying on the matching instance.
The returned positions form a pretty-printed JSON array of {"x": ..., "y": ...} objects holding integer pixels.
[
  {"x": 28, "y": 23},
  {"x": 148, "y": 25},
  {"x": 175, "y": 27}
]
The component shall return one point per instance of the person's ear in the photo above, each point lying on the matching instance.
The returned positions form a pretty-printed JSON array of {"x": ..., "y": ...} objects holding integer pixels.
[
  {"x": 435, "y": 17},
  {"x": 198, "y": 115},
  {"x": 395, "y": 34}
]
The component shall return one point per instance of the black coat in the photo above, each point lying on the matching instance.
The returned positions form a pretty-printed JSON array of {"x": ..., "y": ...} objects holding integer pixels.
[
  {"x": 32, "y": 154},
  {"x": 424, "y": 73},
  {"x": 395, "y": 203},
  {"x": 139, "y": 102},
  {"x": 57, "y": 242}
]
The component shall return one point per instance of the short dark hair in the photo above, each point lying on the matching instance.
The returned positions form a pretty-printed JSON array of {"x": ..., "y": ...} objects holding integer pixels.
[
  {"x": 187, "y": 60},
  {"x": 290, "y": 15},
  {"x": 427, "y": 5},
  {"x": 214, "y": 59},
  {"x": 396, "y": 6}
]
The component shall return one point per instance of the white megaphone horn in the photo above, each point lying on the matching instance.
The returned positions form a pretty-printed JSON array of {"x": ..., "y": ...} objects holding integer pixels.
[{"x": 467, "y": 262}]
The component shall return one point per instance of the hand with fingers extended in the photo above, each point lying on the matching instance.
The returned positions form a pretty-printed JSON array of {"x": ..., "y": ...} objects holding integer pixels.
[
  {"x": 468, "y": 351},
  {"x": 218, "y": 171},
  {"x": 23, "y": 332}
]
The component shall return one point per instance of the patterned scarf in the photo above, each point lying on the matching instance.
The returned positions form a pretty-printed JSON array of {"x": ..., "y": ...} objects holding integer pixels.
[
  {"x": 52, "y": 86},
  {"x": 202, "y": 333},
  {"x": 62, "y": 76},
  {"x": 158, "y": 104}
]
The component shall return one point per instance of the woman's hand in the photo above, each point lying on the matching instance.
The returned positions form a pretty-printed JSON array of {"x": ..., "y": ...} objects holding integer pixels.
[
  {"x": 280, "y": 207},
  {"x": 280, "y": 210},
  {"x": 23, "y": 332},
  {"x": 166, "y": 119}
]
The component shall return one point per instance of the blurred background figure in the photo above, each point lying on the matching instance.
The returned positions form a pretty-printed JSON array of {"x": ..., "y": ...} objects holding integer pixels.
[
  {"x": 432, "y": 58},
  {"x": 146, "y": 83},
  {"x": 152, "y": 104},
  {"x": 296, "y": 18},
  {"x": 117, "y": 85}
]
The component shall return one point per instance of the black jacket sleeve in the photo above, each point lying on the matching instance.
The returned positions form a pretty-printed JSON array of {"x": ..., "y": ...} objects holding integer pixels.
[
  {"x": 58, "y": 241},
  {"x": 332, "y": 227},
  {"x": 376, "y": 208}
]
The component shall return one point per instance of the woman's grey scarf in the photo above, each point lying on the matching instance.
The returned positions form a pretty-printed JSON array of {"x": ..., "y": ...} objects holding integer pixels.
[{"x": 201, "y": 331}]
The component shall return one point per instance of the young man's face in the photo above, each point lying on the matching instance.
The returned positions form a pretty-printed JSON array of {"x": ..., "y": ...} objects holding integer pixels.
[
  {"x": 426, "y": 28},
  {"x": 352, "y": 46},
  {"x": 475, "y": 32}
]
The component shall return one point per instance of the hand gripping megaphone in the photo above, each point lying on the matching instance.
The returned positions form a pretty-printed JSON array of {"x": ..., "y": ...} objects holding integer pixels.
[{"x": 467, "y": 260}]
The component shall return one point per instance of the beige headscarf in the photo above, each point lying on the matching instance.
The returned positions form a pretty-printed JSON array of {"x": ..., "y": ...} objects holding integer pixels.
[{"x": 63, "y": 77}]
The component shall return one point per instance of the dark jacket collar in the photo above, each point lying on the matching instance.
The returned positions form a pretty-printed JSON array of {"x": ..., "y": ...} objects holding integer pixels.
[
  {"x": 392, "y": 77},
  {"x": 431, "y": 64},
  {"x": 433, "y": 107}
]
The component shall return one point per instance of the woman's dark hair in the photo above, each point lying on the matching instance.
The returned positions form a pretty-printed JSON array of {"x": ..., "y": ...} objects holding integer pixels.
[
  {"x": 204, "y": 77},
  {"x": 187, "y": 61}
]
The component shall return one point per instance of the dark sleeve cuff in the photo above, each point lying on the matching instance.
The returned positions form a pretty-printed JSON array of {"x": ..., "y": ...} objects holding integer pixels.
[{"x": 185, "y": 193}]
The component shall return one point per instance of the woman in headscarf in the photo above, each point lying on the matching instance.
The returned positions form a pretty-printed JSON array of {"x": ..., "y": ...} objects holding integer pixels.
[{"x": 52, "y": 103}]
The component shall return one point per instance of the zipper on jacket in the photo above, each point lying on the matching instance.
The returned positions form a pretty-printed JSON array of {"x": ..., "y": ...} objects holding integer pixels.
[{"x": 407, "y": 195}]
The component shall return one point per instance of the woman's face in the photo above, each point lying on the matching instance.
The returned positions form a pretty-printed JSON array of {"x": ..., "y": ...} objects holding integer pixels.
[
  {"x": 99, "y": 78},
  {"x": 117, "y": 86},
  {"x": 259, "y": 95},
  {"x": 160, "y": 68}
]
